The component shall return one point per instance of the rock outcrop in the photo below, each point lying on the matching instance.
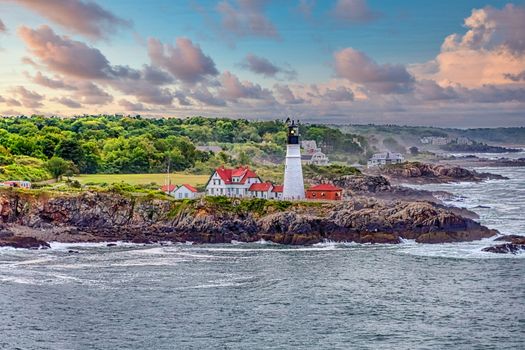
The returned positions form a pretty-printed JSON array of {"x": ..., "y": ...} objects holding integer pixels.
[
  {"x": 415, "y": 172},
  {"x": 104, "y": 216},
  {"x": 516, "y": 245}
]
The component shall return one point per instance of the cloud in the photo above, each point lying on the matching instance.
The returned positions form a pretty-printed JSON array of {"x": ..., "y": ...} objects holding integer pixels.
[
  {"x": 233, "y": 89},
  {"x": 492, "y": 94},
  {"x": 339, "y": 94},
  {"x": 30, "y": 99},
  {"x": 66, "y": 101},
  {"x": 515, "y": 77},
  {"x": 353, "y": 11},
  {"x": 492, "y": 51},
  {"x": 58, "y": 83},
  {"x": 429, "y": 90},
  {"x": 130, "y": 106},
  {"x": 202, "y": 94},
  {"x": 246, "y": 18},
  {"x": 490, "y": 28},
  {"x": 185, "y": 61},
  {"x": 380, "y": 78},
  {"x": 64, "y": 55},
  {"x": 3, "y": 28},
  {"x": 82, "y": 17},
  {"x": 91, "y": 94},
  {"x": 286, "y": 94},
  {"x": 156, "y": 76},
  {"x": 263, "y": 66}
]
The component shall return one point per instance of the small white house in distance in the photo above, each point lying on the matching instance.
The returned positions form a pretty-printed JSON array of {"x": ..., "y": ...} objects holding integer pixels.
[
  {"x": 183, "y": 191},
  {"x": 317, "y": 158},
  {"x": 385, "y": 158}
]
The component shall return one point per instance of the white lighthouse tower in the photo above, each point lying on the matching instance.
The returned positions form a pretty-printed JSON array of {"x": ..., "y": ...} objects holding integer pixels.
[{"x": 293, "y": 171}]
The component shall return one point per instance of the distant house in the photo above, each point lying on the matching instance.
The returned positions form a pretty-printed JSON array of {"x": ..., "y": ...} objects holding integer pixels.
[
  {"x": 310, "y": 146},
  {"x": 231, "y": 182},
  {"x": 17, "y": 183},
  {"x": 169, "y": 189},
  {"x": 180, "y": 192},
  {"x": 265, "y": 190},
  {"x": 317, "y": 158},
  {"x": 185, "y": 191},
  {"x": 212, "y": 149},
  {"x": 385, "y": 158},
  {"x": 434, "y": 140},
  {"x": 312, "y": 154},
  {"x": 325, "y": 191}
]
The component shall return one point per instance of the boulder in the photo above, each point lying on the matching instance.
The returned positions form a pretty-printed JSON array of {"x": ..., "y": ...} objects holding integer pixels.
[{"x": 23, "y": 242}]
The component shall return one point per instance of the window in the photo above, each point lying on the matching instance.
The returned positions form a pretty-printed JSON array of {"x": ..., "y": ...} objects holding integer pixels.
[{"x": 185, "y": 195}]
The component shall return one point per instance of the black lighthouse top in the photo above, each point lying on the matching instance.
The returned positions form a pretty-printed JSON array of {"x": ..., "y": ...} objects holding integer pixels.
[{"x": 293, "y": 132}]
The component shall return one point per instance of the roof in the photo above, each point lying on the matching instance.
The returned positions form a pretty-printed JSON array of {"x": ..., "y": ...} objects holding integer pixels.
[
  {"x": 325, "y": 187},
  {"x": 277, "y": 188},
  {"x": 189, "y": 187},
  {"x": 263, "y": 187},
  {"x": 169, "y": 188},
  {"x": 243, "y": 172}
]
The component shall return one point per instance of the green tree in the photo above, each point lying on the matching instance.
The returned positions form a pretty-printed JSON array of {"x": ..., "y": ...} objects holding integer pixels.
[{"x": 57, "y": 167}]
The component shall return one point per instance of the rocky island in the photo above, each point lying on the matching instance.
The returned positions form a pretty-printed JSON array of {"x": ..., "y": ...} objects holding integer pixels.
[{"x": 31, "y": 219}]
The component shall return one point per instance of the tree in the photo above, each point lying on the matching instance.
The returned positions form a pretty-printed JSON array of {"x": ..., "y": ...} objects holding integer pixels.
[
  {"x": 57, "y": 167},
  {"x": 414, "y": 150}
]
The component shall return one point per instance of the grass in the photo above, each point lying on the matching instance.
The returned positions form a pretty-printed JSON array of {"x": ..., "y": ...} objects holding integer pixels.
[{"x": 142, "y": 179}]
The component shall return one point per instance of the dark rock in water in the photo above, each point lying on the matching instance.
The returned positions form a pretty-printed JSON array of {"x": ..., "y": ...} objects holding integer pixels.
[
  {"x": 482, "y": 207},
  {"x": 71, "y": 251},
  {"x": 111, "y": 245},
  {"x": 507, "y": 248},
  {"x": 23, "y": 242},
  {"x": 516, "y": 245},
  {"x": 511, "y": 238}
]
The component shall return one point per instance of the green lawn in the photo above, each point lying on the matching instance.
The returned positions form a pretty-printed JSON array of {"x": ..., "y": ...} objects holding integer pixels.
[{"x": 142, "y": 179}]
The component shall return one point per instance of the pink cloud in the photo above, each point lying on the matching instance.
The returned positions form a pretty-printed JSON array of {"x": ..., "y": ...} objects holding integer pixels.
[
  {"x": 82, "y": 17},
  {"x": 357, "y": 67},
  {"x": 185, "y": 61},
  {"x": 263, "y": 66},
  {"x": 3, "y": 28},
  {"x": 64, "y": 55},
  {"x": 246, "y": 18},
  {"x": 233, "y": 89},
  {"x": 68, "y": 102},
  {"x": 353, "y": 11},
  {"x": 30, "y": 99},
  {"x": 130, "y": 106}
]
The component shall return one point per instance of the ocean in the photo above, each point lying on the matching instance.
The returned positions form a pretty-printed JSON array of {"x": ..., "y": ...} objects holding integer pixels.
[{"x": 267, "y": 296}]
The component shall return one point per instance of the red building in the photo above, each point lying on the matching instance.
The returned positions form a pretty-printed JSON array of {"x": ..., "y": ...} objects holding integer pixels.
[{"x": 325, "y": 191}]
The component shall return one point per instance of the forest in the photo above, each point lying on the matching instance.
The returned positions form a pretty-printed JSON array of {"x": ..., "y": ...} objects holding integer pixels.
[{"x": 38, "y": 147}]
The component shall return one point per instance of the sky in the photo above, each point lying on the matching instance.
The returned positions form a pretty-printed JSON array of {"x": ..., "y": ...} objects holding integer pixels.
[{"x": 439, "y": 63}]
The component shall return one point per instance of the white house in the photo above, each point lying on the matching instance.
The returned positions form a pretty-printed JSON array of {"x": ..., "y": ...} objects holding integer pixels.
[
  {"x": 384, "y": 158},
  {"x": 231, "y": 182},
  {"x": 317, "y": 158},
  {"x": 265, "y": 190},
  {"x": 183, "y": 191}
]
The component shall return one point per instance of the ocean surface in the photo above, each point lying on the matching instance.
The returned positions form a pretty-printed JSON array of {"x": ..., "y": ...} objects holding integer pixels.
[{"x": 267, "y": 296}]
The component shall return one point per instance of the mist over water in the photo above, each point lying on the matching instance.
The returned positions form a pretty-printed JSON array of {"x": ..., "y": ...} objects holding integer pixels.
[{"x": 262, "y": 296}]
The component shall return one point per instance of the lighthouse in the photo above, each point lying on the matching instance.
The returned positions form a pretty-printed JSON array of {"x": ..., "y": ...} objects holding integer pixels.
[{"x": 293, "y": 171}]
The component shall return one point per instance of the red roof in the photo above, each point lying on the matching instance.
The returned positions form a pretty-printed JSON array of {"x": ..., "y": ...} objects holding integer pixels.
[
  {"x": 263, "y": 187},
  {"x": 242, "y": 172},
  {"x": 277, "y": 188},
  {"x": 190, "y": 187},
  {"x": 169, "y": 188},
  {"x": 325, "y": 187}
]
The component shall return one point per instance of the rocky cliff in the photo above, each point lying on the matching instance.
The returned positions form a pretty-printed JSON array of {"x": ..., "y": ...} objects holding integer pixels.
[
  {"x": 416, "y": 172},
  {"x": 105, "y": 216}
]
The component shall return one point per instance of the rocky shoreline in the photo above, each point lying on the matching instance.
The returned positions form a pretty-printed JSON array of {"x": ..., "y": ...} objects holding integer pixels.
[
  {"x": 424, "y": 173},
  {"x": 109, "y": 216}
]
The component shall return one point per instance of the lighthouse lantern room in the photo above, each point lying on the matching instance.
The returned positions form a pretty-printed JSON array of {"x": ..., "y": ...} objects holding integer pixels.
[{"x": 293, "y": 172}]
